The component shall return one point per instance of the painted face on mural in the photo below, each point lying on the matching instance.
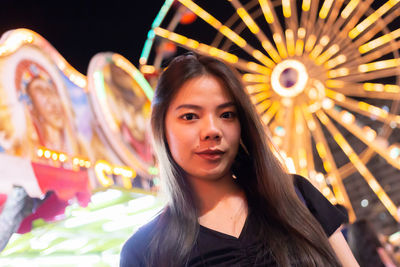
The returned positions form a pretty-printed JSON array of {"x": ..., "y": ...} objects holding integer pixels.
[{"x": 46, "y": 102}]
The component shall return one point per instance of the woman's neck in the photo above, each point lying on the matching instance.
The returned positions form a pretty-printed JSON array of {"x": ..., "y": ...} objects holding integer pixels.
[
  {"x": 212, "y": 193},
  {"x": 222, "y": 205}
]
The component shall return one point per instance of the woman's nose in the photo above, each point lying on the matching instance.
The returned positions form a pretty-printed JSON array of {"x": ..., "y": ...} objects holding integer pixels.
[{"x": 210, "y": 129}]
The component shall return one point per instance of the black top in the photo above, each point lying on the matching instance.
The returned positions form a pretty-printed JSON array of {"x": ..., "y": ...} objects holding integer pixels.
[{"x": 214, "y": 248}]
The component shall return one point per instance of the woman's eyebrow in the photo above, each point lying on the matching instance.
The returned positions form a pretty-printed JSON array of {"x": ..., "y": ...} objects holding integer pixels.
[
  {"x": 225, "y": 105},
  {"x": 192, "y": 106},
  {"x": 189, "y": 106}
]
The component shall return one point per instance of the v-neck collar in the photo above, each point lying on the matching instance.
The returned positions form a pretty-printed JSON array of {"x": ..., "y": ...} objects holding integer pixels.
[{"x": 227, "y": 236}]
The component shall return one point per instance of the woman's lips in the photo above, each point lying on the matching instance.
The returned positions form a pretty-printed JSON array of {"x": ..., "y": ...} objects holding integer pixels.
[{"x": 211, "y": 154}]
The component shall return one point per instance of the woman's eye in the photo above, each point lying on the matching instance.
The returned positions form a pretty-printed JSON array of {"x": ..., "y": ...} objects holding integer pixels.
[
  {"x": 189, "y": 116},
  {"x": 228, "y": 115}
]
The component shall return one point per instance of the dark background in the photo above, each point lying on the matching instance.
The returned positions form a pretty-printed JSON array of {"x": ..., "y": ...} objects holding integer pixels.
[{"x": 80, "y": 29}]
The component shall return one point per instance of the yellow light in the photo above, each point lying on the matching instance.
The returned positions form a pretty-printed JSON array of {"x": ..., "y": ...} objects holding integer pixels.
[
  {"x": 87, "y": 164},
  {"x": 260, "y": 96},
  {"x": 338, "y": 72},
  {"x": 347, "y": 117},
  {"x": 349, "y": 8},
  {"x": 306, "y": 5},
  {"x": 249, "y": 77},
  {"x": 75, "y": 161},
  {"x": 391, "y": 88},
  {"x": 47, "y": 154},
  {"x": 321, "y": 149},
  {"x": 323, "y": 13},
  {"x": 248, "y": 20},
  {"x": 379, "y": 41},
  {"x": 279, "y": 44},
  {"x": 62, "y": 157},
  {"x": 370, "y": 134},
  {"x": 310, "y": 42},
  {"x": 147, "y": 69},
  {"x": 161, "y": 32},
  {"x": 267, "y": 11},
  {"x": 81, "y": 162},
  {"x": 375, "y": 87},
  {"x": 372, "y": 18},
  {"x": 327, "y": 166},
  {"x": 334, "y": 83},
  {"x": 180, "y": 39},
  {"x": 338, "y": 96},
  {"x": 102, "y": 168},
  {"x": 201, "y": 13},
  {"x": 192, "y": 43},
  {"x": 324, "y": 40},
  {"x": 234, "y": 37},
  {"x": 257, "y": 88},
  {"x": 335, "y": 61},
  {"x": 327, "y": 54},
  {"x": 40, "y": 152},
  {"x": 263, "y": 59},
  {"x": 267, "y": 116},
  {"x": 271, "y": 51},
  {"x": 286, "y": 8},
  {"x": 299, "y": 47},
  {"x": 326, "y": 191},
  {"x": 301, "y": 33},
  {"x": 378, "y": 65},
  {"x": 263, "y": 106},
  {"x": 258, "y": 68},
  {"x": 290, "y": 41},
  {"x": 54, "y": 156}
]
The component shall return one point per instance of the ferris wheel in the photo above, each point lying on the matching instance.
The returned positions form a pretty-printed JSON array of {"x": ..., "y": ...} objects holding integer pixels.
[{"x": 323, "y": 76}]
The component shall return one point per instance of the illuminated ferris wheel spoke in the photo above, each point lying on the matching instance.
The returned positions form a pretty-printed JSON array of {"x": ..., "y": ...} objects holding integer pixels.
[
  {"x": 359, "y": 165},
  {"x": 329, "y": 164},
  {"x": 228, "y": 33},
  {"x": 272, "y": 20},
  {"x": 352, "y": 13},
  {"x": 367, "y": 90},
  {"x": 253, "y": 27},
  {"x": 363, "y": 108},
  {"x": 343, "y": 50},
  {"x": 270, "y": 113},
  {"x": 256, "y": 88},
  {"x": 326, "y": 17},
  {"x": 302, "y": 143},
  {"x": 256, "y": 78},
  {"x": 287, "y": 116},
  {"x": 377, "y": 43},
  {"x": 311, "y": 7},
  {"x": 371, "y": 19},
  {"x": 211, "y": 51},
  {"x": 336, "y": 61},
  {"x": 377, "y": 27},
  {"x": 367, "y": 135}
]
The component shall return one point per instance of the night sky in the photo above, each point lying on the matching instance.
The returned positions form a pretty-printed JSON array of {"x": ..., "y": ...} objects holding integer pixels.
[{"x": 79, "y": 29}]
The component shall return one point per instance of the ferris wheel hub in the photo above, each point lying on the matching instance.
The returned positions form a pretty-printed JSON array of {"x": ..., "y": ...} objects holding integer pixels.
[{"x": 289, "y": 78}]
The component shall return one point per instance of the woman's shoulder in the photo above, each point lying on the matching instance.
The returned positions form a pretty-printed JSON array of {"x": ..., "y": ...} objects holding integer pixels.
[
  {"x": 134, "y": 249},
  {"x": 328, "y": 215}
]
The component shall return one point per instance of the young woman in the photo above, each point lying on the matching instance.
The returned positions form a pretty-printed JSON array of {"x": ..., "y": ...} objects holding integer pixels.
[{"x": 230, "y": 201}]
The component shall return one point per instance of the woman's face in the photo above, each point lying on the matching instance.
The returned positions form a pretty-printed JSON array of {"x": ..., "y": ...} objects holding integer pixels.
[{"x": 203, "y": 129}]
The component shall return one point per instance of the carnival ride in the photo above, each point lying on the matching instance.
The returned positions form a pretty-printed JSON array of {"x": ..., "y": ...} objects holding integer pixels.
[{"x": 323, "y": 75}]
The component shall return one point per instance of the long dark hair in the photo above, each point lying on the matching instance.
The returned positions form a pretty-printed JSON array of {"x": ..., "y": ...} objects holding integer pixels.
[
  {"x": 364, "y": 243},
  {"x": 293, "y": 235}
]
